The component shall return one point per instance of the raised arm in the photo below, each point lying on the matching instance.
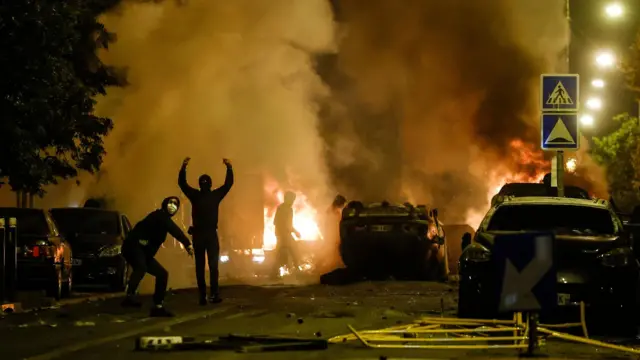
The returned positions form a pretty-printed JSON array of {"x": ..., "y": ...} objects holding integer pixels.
[
  {"x": 228, "y": 180},
  {"x": 182, "y": 180}
]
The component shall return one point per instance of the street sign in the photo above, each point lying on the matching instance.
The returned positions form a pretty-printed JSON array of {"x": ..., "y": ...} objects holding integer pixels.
[
  {"x": 560, "y": 131},
  {"x": 560, "y": 92},
  {"x": 524, "y": 264}
]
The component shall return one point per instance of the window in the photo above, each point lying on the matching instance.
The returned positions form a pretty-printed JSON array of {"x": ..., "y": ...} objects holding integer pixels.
[
  {"x": 87, "y": 221},
  {"x": 562, "y": 219}
]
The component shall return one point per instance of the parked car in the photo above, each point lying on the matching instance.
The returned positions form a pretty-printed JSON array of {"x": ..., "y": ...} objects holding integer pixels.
[
  {"x": 96, "y": 237},
  {"x": 43, "y": 254},
  {"x": 592, "y": 256}
]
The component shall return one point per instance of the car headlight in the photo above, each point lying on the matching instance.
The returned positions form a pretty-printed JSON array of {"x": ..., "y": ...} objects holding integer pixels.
[
  {"x": 616, "y": 257},
  {"x": 224, "y": 258},
  {"x": 476, "y": 253},
  {"x": 111, "y": 251}
]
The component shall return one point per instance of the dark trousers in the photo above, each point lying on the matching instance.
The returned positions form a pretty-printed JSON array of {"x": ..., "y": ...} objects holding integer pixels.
[
  {"x": 285, "y": 255},
  {"x": 141, "y": 264},
  {"x": 206, "y": 243}
]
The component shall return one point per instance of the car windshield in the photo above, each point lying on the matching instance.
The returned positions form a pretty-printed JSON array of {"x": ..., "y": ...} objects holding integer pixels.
[
  {"x": 86, "y": 221},
  {"x": 562, "y": 219},
  {"x": 29, "y": 221}
]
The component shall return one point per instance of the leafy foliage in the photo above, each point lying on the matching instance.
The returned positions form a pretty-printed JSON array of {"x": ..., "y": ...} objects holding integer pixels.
[
  {"x": 619, "y": 152},
  {"x": 51, "y": 75},
  {"x": 630, "y": 66}
]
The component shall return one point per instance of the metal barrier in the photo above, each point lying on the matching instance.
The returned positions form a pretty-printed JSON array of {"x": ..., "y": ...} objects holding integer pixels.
[
  {"x": 8, "y": 263},
  {"x": 457, "y": 334}
]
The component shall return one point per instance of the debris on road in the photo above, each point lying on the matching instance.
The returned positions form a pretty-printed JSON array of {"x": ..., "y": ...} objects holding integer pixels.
[{"x": 240, "y": 343}]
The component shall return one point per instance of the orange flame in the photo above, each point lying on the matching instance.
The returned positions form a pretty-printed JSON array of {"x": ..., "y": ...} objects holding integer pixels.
[
  {"x": 305, "y": 217},
  {"x": 532, "y": 168}
]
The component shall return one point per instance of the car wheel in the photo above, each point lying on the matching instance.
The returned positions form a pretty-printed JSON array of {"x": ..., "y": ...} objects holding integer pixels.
[
  {"x": 467, "y": 305},
  {"x": 54, "y": 289},
  {"x": 119, "y": 282}
]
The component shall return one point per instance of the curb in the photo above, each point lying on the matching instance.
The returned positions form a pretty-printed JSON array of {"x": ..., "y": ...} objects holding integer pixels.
[{"x": 101, "y": 341}]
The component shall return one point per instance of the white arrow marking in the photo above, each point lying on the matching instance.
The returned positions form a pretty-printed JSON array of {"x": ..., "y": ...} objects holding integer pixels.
[{"x": 517, "y": 286}]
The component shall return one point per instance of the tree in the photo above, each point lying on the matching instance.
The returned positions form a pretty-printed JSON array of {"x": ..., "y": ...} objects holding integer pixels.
[
  {"x": 619, "y": 152},
  {"x": 51, "y": 75},
  {"x": 630, "y": 67}
]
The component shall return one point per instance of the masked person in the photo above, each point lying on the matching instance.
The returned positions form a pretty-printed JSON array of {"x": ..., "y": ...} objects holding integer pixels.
[
  {"x": 204, "y": 212},
  {"x": 139, "y": 250},
  {"x": 283, "y": 221}
]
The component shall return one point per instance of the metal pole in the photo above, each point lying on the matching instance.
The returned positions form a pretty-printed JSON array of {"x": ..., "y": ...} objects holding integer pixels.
[
  {"x": 11, "y": 259},
  {"x": 560, "y": 153},
  {"x": 3, "y": 268},
  {"x": 560, "y": 173}
]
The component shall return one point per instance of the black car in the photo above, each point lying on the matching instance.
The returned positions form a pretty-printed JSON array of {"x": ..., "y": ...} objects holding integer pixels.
[
  {"x": 44, "y": 256},
  {"x": 592, "y": 255},
  {"x": 382, "y": 240},
  {"x": 96, "y": 236}
]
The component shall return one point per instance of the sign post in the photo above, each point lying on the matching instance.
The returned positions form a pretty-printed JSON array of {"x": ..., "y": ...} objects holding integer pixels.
[
  {"x": 524, "y": 263},
  {"x": 3, "y": 269},
  {"x": 11, "y": 259},
  {"x": 560, "y": 128}
]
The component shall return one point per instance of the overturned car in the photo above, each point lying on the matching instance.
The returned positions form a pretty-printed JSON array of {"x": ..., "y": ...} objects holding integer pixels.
[{"x": 382, "y": 240}]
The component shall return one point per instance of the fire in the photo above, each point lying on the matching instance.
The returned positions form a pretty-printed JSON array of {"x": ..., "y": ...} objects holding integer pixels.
[
  {"x": 532, "y": 167},
  {"x": 571, "y": 165},
  {"x": 305, "y": 220}
]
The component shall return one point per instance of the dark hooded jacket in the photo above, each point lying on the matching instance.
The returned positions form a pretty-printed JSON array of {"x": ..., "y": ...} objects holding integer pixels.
[
  {"x": 205, "y": 203},
  {"x": 151, "y": 232}
]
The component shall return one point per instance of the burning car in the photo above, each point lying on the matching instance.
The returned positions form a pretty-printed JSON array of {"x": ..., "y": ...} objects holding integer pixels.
[
  {"x": 592, "y": 255},
  {"x": 383, "y": 240}
]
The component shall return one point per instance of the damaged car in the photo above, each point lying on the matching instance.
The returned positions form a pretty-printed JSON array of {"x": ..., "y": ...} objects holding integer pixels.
[
  {"x": 96, "y": 237},
  {"x": 593, "y": 258},
  {"x": 401, "y": 241}
]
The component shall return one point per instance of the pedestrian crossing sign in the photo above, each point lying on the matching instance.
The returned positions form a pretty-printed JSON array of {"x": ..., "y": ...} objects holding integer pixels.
[
  {"x": 560, "y": 131},
  {"x": 560, "y": 92}
]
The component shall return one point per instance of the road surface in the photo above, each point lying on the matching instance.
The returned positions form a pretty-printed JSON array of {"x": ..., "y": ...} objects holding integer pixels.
[{"x": 101, "y": 330}]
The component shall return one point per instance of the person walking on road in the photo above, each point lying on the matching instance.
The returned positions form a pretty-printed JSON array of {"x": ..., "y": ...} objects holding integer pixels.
[
  {"x": 283, "y": 221},
  {"x": 205, "y": 204},
  {"x": 139, "y": 250}
]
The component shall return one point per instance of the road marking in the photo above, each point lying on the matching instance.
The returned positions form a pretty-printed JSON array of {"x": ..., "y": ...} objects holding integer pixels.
[{"x": 101, "y": 341}]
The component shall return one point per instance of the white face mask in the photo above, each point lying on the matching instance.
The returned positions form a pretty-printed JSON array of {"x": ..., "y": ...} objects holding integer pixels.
[{"x": 172, "y": 208}]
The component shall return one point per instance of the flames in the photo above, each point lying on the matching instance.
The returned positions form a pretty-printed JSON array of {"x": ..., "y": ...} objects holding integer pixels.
[
  {"x": 305, "y": 217},
  {"x": 531, "y": 167}
]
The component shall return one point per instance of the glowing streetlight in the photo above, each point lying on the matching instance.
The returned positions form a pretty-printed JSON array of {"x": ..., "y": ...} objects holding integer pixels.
[
  {"x": 605, "y": 59},
  {"x": 586, "y": 120},
  {"x": 614, "y": 10},
  {"x": 597, "y": 83},
  {"x": 571, "y": 165},
  {"x": 594, "y": 103}
]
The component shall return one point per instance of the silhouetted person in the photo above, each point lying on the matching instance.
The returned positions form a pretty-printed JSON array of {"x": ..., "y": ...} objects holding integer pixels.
[
  {"x": 466, "y": 240},
  {"x": 140, "y": 248},
  {"x": 204, "y": 213},
  {"x": 283, "y": 221},
  {"x": 331, "y": 233}
]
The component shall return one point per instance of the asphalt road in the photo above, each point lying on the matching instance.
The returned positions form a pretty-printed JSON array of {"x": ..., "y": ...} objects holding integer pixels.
[{"x": 100, "y": 329}]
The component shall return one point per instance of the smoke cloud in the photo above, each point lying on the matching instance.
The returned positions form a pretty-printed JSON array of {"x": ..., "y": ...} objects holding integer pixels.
[
  {"x": 436, "y": 92},
  {"x": 214, "y": 79}
]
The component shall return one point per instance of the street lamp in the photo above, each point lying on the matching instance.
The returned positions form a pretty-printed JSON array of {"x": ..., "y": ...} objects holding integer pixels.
[
  {"x": 594, "y": 103},
  {"x": 605, "y": 59},
  {"x": 597, "y": 83},
  {"x": 614, "y": 10},
  {"x": 586, "y": 120}
]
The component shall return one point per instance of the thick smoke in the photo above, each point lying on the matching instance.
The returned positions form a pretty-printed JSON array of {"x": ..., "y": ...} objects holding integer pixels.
[
  {"x": 214, "y": 79},
  {"x": 436, "y": 91}
]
